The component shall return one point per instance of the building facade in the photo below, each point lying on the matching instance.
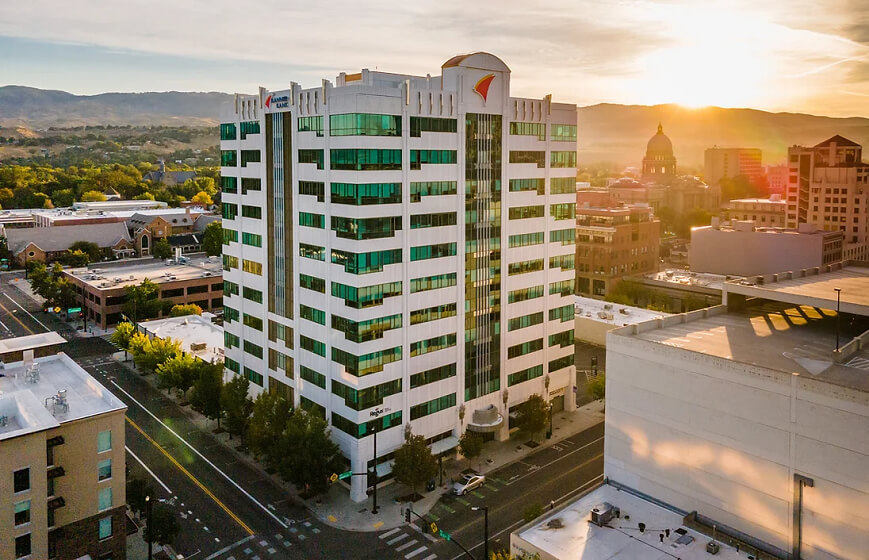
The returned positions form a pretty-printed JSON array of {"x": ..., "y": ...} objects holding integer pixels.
[
  {"x": 764, "y": 212},
  {"x": 827, "y": 187},
  {"x": 659, "y": 164},
  {"x": 613, "y": 241},
  {"x": 744, "y": 249},
  {"x": 400, "y": 252},
  {"x": 727, "y": 163},
  {"x": 62, "y": 462},
  {"x": 777, "y": 179}
]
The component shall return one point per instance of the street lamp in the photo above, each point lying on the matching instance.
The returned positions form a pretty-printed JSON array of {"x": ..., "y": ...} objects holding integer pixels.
[
  {"x": 149, "y": 527},
  {"x": 485, "y": 529},
  {"x": 838, "y": 319},
  {"x": 374, "y": 509}
]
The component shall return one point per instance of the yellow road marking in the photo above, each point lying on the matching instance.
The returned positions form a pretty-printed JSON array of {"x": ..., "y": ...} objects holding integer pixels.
[
  {"x": 332, "y": 518},
  {"x": 190, "y": 476},
  {"x": 378, "y": 525},
  {"x": 17, "y": 320}
]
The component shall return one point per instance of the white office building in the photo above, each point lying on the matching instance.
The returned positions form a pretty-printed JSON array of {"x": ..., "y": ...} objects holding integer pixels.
[{"x": 400, "y": 252}]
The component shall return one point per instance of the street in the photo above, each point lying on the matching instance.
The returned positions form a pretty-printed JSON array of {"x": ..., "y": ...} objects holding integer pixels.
[{"x": 229, "y": 510}]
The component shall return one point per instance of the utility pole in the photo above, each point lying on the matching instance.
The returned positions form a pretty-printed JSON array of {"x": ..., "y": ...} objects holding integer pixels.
[
  {"x": 374, "y": 509},
  {"x": 485, "y": 529}
]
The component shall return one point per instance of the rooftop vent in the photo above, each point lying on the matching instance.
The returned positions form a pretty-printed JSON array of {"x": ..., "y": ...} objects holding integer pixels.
[
  {"x": 555, "y": 523},
  {"x": 31, "y": 374},
  {"x": 59, "y": 402},
  {"x": 604, "y": 513}
]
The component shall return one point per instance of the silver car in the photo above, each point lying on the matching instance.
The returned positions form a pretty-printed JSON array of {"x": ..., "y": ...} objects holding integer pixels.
[{"x": 468, "y": 482}]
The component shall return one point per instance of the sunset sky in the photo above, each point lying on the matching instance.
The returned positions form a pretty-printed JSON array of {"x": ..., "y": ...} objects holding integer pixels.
[{"x": 794, "y": 55}]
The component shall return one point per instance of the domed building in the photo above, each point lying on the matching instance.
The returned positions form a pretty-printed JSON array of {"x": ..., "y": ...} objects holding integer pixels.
[{"x": 659, "y": 165}]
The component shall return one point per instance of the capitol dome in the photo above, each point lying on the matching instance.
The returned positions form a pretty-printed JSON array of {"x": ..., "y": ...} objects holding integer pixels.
[
  {"x": 659, "y": 165},
  {"x": 659, "y": 144}
]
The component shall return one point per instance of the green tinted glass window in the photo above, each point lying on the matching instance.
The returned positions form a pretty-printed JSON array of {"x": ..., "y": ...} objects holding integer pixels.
[
  {"x": 365, "y": 194},
  {"x": 431, "y": 188},
  {"x": 312, "y": 156},
  {"x": 418, "y": 125},
  {"x": 537, "y": 157},
  {"x": 563, "y": 132},
  {"x": 311, "y": 124},
  {"x": 529, "y": 129},
  {"x": 364, "y": 263},
  {"x": 563, "y": 159},
  {"x": 365, "y": 159},
  {"x": 364, "y": 124},
  {"x": 228, "y": 131},
  {"x": 537, "y": 185}
]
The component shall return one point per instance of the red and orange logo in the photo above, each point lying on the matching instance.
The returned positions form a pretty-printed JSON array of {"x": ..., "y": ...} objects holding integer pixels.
[{"x": 482, "y": 86}]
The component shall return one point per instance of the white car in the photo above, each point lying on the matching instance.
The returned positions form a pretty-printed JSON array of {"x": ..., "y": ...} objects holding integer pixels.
[{"x": 468, "y": 482}]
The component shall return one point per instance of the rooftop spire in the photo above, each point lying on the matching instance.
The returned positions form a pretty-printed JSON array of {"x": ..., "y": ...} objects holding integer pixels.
[{"x": 660, "y": 128}]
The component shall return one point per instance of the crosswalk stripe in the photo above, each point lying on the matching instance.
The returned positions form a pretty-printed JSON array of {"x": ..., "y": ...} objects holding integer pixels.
[
  {"x": 405, "y": 546},
  {"x": 390, "y": 533},
  {"x": 391, "y": 542},
  {"x": 415, "y": 552},
  {"x": 448, "y": 508},
  {"x": 430, "y": 557}
]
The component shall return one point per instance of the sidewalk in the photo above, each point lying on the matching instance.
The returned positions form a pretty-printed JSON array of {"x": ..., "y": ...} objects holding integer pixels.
[{"x": 336, "y": 509}]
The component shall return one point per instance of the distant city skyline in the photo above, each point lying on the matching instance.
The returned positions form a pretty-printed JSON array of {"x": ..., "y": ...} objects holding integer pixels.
[{"x": 775, "y": 56}]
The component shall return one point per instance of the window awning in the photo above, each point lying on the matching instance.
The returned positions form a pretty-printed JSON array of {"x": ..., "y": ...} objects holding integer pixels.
[{"x": 444, "y": 445}]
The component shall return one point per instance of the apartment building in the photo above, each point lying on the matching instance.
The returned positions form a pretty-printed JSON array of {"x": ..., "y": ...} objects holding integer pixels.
[
  {"x": 62, "y": 485},
  {"x": 727, "y": 163},
  {"x": 764, "y": 212},
  {"x": 613, "y": 241},
  {"x": 399, "y": 252},
  {"x": 828, "y": 186},
  {"x": 777, "y": 178}
]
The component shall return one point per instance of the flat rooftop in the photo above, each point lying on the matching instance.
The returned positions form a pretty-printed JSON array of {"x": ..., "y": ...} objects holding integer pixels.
[
  {"x": 797, "y": 340},
  {"x": 24, "y": 391},
  {"x": 191, "y": 330},
  {"x": 109, "y": 276},
  {"x": 599, "y": 311},
  {"x": 817, "y": 287},
  {"x": 568, "y": 534},
  {"x": 30, "y": 342},
  {"x": 678, "y": 277}
]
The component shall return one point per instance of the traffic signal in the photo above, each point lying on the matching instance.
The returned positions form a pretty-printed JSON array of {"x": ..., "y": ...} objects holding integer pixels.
[{"x": 407, "y": 515}]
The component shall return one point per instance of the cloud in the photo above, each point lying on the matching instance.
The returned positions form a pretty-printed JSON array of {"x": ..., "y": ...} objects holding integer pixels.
[{"x": 586, "y": 51}]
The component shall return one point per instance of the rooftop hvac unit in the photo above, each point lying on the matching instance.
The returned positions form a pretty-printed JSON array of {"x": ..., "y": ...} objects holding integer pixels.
[
  {"x": 198, "y": 346},
  {"x": 604, "y": 513}
]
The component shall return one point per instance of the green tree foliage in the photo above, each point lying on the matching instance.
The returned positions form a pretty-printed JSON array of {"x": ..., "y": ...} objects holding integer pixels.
[
  {"x": 162, "y": 528},
  {"x": 271, "y": 413},
  {"x": 137, "y": 489},
  {"x": 212, "y": 239},
  {"x": 471, "y": 445},
  {"x": 596, "y": 388},
  {"x": 92, "y": 250},
  {"x": 503, "y": 555},
  {"x": 93, "y": 196},
  {"x": 414, "y": 464},
  {"x": 628, "y": 292},
  {"x": 179, "y": 372},
  {"x": 149, "y": 353},
  {"x": 207, "y": 390},
  {"x": 181, "y": 310},
  {"x": 533, "y": 414},
  {"x": 51, "y": 285},
  {"x": 162, "y": 249},
  {"x": 62, "y": 198},
  {"x": 307, "y": 455},
  {"x": 144, "y": 196},
  {"x": 143, "y": 301},
  {"x": 237, "y": 406},
  {"x": 123, "y": 333},
  {"x": 75, "y": 259},
  {"x": 739, "y": 187}
]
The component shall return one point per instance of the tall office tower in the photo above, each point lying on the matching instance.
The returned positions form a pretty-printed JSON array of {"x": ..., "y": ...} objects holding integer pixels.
[
  {"x": 727, "y": 163},
  {"x": 828, "y": 185},
  {"x": 400, "y": 251}
]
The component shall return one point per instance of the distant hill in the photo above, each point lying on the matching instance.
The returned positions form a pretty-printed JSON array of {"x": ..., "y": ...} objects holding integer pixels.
[
  {"x": 619, "y": 133},
  {"x": 40, "y": 108},
  {"x": 607, "y": 132}
]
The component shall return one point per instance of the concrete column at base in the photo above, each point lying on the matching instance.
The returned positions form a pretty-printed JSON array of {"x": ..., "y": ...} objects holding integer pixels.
[
  {"x": 503, "y": 433},
  {"x": 570, "y": 391},
  {"x": 358, "y": 484}
]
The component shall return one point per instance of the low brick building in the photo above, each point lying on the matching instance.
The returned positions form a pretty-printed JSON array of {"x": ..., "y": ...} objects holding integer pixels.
[
  {"x": 199, "y": 280},
  {"x": 47, "y": 244}
]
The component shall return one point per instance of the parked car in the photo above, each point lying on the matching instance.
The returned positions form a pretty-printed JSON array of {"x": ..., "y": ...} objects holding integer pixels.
[{"x": 468, "y": 482}]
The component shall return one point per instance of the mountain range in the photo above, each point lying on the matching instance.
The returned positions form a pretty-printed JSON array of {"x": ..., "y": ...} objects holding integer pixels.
[{"x": 607, "y": 132}]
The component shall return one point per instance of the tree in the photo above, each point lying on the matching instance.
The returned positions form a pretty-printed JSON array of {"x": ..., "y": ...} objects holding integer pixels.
[
  {"x": 236, "y": 405},
  {"x": 162, "y": 527},
  {"x": 93, "y": 196},
  {"x": 306, "y": 454},
  {"x": 206, "y": 397},
  {"x": 532, "y": 415},
  {"x": 92, "y": 250},
  {"x": 414, "y": 464},
  {"x": 179, "y": 372},
  {"x": 144, "y": 196},
  {"x": 137, "y": 489},
  {"x": 149, "y": 354},
  {"x": 271, "y": 413},
  {"x": 143, "y": 301},
  {"x": 212, "y": 239},
  {"x": 76, "y": 258},
  {"x": 596, "y": 388},
  {"x": 62, "y": 198},
  {"x": 52, "y": 285},
  {"x": 471, "y": 445},
  {"x": 162, "y": 249},
  {"x": 202, "y": 198},
  {"x": 504, "y": 555},
  {"x": 122, "y": 335},
  {"x": 181, "y": 310}
]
